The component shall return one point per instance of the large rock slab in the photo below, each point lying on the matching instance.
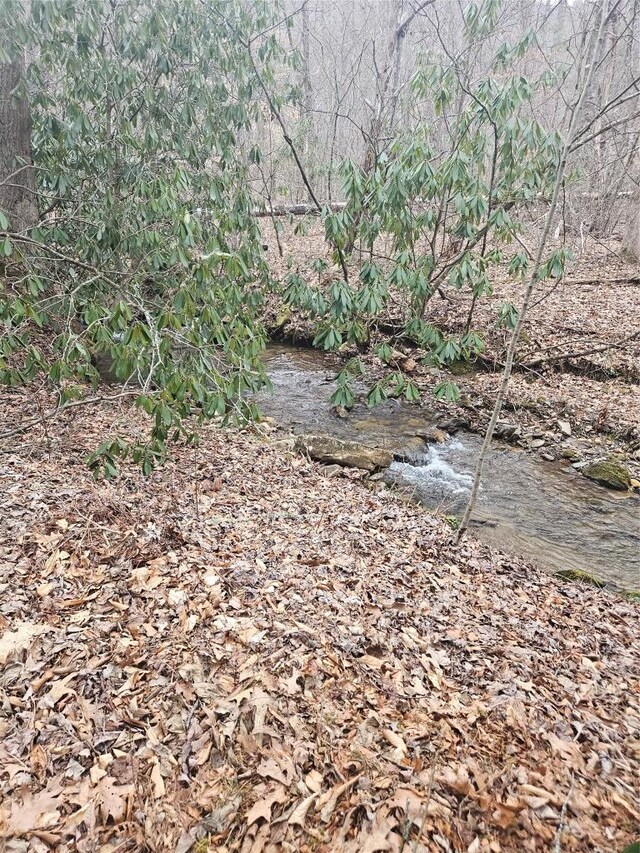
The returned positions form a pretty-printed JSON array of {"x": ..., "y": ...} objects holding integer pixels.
[{"x": 332, "y": 451}]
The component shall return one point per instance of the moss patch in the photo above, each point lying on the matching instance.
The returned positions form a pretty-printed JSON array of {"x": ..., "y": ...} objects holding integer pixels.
[
  {"x": 632, "y": 595},
  {"x": 610, "y": 472},
  {"x": 577, "y": 575},
  {"x": 462, "y": 367}
]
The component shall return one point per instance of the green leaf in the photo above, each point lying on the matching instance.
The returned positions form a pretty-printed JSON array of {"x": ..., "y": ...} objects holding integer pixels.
[
  {"x": 447, "y": 391},
  {"x": 377, "y": 394},
  {"x": 343, "y": 396}
]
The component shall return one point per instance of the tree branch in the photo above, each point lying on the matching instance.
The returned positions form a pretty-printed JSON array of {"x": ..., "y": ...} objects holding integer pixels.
[
  {"x": 68, "y": 405},
  {"x": 537, "y": 362}
]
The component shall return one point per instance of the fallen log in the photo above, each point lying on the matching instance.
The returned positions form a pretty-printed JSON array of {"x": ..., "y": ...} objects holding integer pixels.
[{"x": 297, "y": 209}]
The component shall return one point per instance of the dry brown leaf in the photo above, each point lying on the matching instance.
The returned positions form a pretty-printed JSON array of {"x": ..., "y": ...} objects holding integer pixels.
[
  {"x": 417, "y": 686},
  {"x": 57, "y": 690},
  {"x": 395, "y": 740},
  {"x": 457, "y": 779},
  {"x": 20, "y": 639},
  {"x": 540, "y": 793},
  {"x": 262, "y": 808},
  {"x": 36, "y": 811},
  {"x": 517, "y": 714},
  {"x": 114, "y": 799},
  {"x": 299, "y": 814},
  {"x": 506, "y": 814},
  {"x": 313, "y": 781},
  {"x": 85, "y": 814},
  {"x": 569, "y": 750},
  {"x": 373, "y": 662},
  {"x": 270, "y": 769},
  {"x": 378, "y": 840},
  {"x": 411, "y": 802},
  {"x": 328, "y": 801},
  {"x": 157, "y": 781},
  {"x": 39, "y": 762},
  {"x": 635, "y": 814},
  {"x": 185, "y": 843}
]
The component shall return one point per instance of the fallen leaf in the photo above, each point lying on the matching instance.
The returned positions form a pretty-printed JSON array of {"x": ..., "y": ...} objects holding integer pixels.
[
  {"x": 568, "y": 750},
  {"x": 19, "y": 640},
  {"x": 113, "y": 799},
  {"x": 374, "y": 663},
  {"x": 299, "y": 814},
  {"x": 395, "y": 740},
  {"x": 328, "y": 801},
  {"x": 313, "y": 781},
  {"x": 270, "y": 769},
  {"x": 36, "y": 811},
  {"x": 262, "y": 807},
  {"x": 39, "y": 762},
  {"x": 157, "y": 781},
  {"x": 457, "y": 779},
  {"x": 185, "y": 843},
  {"x": 505, "y": 814}
]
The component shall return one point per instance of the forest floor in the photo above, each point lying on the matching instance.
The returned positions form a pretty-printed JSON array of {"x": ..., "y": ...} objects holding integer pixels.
[
  {"x": 579, "y": 353},
  {"x": 241, "y": 653}
]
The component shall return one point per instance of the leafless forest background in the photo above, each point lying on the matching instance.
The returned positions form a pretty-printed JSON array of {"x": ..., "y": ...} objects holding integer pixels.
[{"x": 358, "y": 57}]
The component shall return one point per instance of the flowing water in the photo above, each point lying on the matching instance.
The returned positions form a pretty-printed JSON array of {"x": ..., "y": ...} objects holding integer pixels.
[{"x": 544, "y": 511}]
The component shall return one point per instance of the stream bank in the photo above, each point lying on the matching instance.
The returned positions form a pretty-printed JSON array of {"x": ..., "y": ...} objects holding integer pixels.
[{"x": 542, "y": 510}]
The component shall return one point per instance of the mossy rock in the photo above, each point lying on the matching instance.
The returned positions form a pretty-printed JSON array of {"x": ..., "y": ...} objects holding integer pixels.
[
  {"x": 571, "y": 453},
  {"x": 282, "y": 319},
  {"x": 610, "y": 473},
  {"x": 578, "y": 575},
  {"x": 462, "y": 367}
]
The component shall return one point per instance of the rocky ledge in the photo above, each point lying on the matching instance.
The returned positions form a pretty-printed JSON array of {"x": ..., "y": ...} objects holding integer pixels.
[{"x": 330, "y": 450}]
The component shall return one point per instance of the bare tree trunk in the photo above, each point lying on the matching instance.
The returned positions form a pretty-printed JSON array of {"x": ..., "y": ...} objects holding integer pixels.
[
  {"x": 387, "y": 95},
  {"x": 306, "y": 103},
  {"x": 17, "y": 176},
  {"x": 632, "y": 236},
  {"x": 388, "y": 82}
]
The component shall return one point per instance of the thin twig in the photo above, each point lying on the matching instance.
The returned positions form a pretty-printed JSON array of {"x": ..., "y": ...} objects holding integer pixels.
[
  {"x": 536, "y": 362},
  {"x": 558, "y": 845}
]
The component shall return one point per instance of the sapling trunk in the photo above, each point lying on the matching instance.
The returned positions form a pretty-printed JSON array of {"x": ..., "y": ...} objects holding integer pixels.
[{"x": 533, "y": 277}]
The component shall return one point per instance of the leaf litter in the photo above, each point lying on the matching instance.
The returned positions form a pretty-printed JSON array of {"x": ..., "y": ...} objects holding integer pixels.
[{"x": 292, "y": 663}]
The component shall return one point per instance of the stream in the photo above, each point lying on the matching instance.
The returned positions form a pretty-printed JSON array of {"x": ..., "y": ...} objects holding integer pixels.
[{"x": 544, "y": 511}]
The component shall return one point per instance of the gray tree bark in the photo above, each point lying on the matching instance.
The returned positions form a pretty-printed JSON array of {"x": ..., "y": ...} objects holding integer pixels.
[
  {"x": 632, "y": 236},
  {"x": 17, "y": 176}
]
